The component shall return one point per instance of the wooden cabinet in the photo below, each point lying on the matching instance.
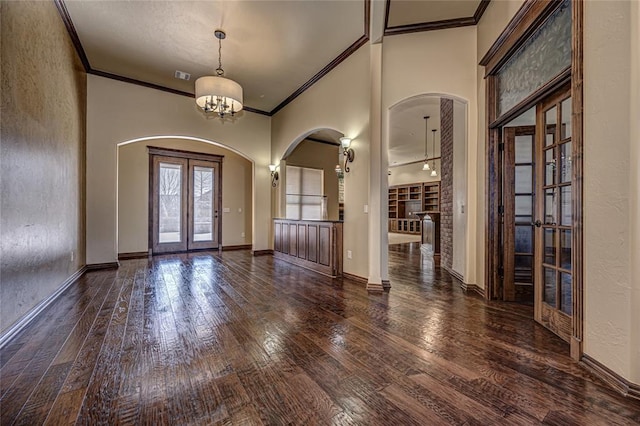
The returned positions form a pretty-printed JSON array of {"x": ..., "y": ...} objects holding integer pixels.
[
  {"x": 406, "y": 200},
  {"x": 315, "y": 245}
]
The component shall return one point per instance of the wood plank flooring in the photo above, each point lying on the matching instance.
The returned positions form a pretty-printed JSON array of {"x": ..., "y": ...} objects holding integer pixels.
[{"x": 211, "y": 338}]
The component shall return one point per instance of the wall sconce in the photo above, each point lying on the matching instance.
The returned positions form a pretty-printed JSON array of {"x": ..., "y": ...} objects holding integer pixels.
[
  {"x": 348, "y": 153},
  {"x": 274, "y": 175}
]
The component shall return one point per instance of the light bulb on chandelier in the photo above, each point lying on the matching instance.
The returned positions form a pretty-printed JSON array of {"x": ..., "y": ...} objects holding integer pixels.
[{"x": 218, "y": 94}]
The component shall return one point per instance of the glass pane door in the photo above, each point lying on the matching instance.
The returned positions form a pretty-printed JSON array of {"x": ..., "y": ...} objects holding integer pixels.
[
  {"x": 554, "y": 284},
  {"x": 185, "y": 199},
  {"x": 169, "y": 204},
  {"x": 519, "y": 202},
  {"x": 203, "y": 196}
]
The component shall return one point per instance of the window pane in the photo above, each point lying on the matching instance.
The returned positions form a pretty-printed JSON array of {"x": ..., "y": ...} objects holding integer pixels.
[
  {"x": 550, "y": 286},
  {"x": 543, "y": 56},
  {"x": 565, "y": 215},
  {"x": 524, "y": 179},
  {"x": 550, "y": 246},
  {"x": 565, "y": 128},
  {"x": 523, "y": 208},
  {"x": 551, "y": 206},
  {"x": 305, "y": 188},
  {"x": 550, "y": 126},
  {"x": 550, "y": 167},
  {"x": 566, "y": 293},
  {"x": 524, "y": 149},
  {"x": 170, "y": 203},
  {"x": 565, "y": 249},
  {"x": 565, "y": 162},
  {"x": 202, "y": 203},
  {"x": 524, "y": 239}
]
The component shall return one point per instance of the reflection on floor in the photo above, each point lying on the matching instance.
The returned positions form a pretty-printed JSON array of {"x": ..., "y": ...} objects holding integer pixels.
[
  {"x": 403, "y": 238},
  {"x": 228, "y": 338}
]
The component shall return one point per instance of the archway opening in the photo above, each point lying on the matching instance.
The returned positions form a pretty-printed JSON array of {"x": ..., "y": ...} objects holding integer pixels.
[
  {"x": 133, "y": 193},
  {"x": 427, "y": 179}
]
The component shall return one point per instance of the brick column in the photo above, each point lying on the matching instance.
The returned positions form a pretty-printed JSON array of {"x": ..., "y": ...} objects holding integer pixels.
[{"x": 446, "y": 183}]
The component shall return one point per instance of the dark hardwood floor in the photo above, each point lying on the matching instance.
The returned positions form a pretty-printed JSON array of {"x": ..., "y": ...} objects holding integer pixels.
[{"x": 228, "y": 338}]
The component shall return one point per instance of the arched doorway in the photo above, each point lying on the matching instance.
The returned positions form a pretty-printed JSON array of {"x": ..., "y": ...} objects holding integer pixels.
[
  {"x": 133, "y": 193},
  {"x": 427, "y": 178}
]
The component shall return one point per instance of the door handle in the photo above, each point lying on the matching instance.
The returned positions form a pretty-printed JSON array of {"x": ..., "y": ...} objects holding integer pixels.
[{"x": 537, "y": 224}]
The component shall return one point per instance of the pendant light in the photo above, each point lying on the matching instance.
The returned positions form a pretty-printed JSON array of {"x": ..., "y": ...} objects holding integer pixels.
[
  {"x": 218, "y": 94},
  {"x": 426, "y": 156},
  {"x": 433, "y": 166}
]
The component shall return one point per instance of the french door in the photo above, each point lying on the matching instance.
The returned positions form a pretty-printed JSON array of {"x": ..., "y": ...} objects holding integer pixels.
[
  {"x": 519, "y": 210},
  {"x": 184, "y": 192},
  {"x": 537, "y": 220},
  {"x": 554, "y": 217}
]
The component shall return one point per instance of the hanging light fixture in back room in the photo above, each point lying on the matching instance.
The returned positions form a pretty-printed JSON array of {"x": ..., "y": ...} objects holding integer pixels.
[
  {"x": 426, "y": 156},
  {"x": 219, "y": 94}
]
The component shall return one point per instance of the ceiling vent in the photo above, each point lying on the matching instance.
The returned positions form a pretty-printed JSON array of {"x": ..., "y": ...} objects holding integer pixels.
[{"x": 182, "y": 75}]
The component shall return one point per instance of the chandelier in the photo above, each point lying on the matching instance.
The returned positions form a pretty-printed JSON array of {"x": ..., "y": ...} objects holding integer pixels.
[{"x": 218, "y": 94}]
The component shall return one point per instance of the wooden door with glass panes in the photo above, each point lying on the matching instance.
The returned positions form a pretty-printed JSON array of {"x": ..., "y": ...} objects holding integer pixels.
[{"x": 554, "y": 221}]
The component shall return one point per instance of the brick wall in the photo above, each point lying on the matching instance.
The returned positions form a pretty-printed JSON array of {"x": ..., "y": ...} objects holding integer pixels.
[{"x": 446, "y": 182}]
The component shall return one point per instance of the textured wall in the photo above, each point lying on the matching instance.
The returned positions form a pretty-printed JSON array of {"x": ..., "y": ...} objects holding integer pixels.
[
  {"x": 133, "y": 193},
  {"x": 446, "y": 182},
  {"x": 42, "y": 157}
]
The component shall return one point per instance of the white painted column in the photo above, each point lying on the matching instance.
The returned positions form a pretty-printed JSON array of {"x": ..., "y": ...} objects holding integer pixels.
[{"x": 378, "y": 250}]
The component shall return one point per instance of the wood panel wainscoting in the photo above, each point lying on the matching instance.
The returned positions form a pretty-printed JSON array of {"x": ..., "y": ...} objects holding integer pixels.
[{"x": 316, "y": 245}]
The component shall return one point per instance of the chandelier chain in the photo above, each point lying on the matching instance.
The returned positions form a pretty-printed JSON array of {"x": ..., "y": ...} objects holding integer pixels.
[{"x": 220, "y": 71}]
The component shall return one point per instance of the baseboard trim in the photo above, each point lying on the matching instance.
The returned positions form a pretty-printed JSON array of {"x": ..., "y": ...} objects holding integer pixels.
[
  {"x": 98, "y": 266},
  {"x": 26, "y": 319},
  {"x": 262, "y": 252},
  {"x": 455, "y": 274},
  {"x": 133, "y": 255},
  {"x": 472, "y": 288},
  {"x": 237, "y": 247},
  {"x": 613, "y": 379},
  {"x": 356, "y": 278},
  {"x": 375, "y": 287}
]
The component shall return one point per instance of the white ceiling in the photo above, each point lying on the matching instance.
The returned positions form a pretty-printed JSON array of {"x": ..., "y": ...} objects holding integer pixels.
[
  {"x": 407, "y": 12},
  {"x": 407, "y": 130},
  {"x": 272, "y": 47}
]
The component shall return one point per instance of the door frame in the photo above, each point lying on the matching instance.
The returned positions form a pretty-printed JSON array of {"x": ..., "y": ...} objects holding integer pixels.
[
  {"x": 188, "y": 155},
  {"x": 526, "y": 21}
]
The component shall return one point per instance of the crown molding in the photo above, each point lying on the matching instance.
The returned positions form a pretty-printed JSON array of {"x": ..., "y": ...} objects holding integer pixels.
[
  {"x": 66, "y": 19},
  {"x": 434, "y": 25}
]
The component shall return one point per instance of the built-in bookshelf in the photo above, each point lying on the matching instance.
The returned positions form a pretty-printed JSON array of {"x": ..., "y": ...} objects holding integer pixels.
[{"x": 405, "y": 200}]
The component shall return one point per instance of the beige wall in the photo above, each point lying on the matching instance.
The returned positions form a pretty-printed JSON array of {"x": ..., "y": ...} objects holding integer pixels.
[
  {"x": 611, "y": 186},
  {"x": 120, "y": 112},
  {"x": 42, "y": 157},
  {"x": 317, "y": 108},
  {"x": 411, "y": 173},
  {"x": 133, "y": 193},
  {"x": 319, "y": 156},
  {"x": 460, "y": 189},
  {"x": 437, "y": 62}
]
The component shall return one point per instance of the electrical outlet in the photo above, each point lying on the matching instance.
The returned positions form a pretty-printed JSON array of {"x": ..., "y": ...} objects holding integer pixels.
[
  {"x": 242, "y": 234},
  {"x": 226, "y": 210},
  {"x": 239, "y": 209},
  {"x": 366, "y": 208},
  {"x": 349, "y": 254}
]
